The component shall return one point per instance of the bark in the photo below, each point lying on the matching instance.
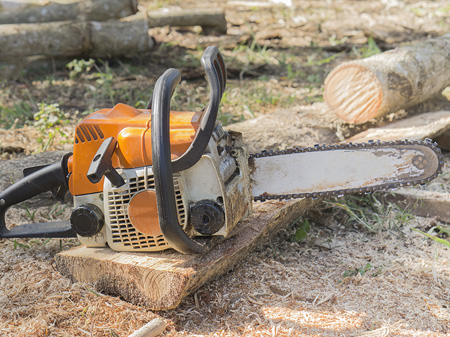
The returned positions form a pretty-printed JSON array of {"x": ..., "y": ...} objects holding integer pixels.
[
  {"x": 75, "y": 38},
  {"x": 206, "y": 18},
  {"x": 364, "y": 89},
  {"x": 89, "y": 10}
]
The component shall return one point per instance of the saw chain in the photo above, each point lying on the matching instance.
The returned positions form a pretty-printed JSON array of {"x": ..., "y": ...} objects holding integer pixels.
[{"x": 362, "y": 190}]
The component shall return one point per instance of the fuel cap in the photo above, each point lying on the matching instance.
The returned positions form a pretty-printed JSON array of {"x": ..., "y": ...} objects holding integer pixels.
[{"x": 87, "y": 220}]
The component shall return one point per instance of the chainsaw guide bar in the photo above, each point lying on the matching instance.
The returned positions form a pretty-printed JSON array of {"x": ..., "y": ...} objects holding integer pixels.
[{"x": 417, "y": 162}]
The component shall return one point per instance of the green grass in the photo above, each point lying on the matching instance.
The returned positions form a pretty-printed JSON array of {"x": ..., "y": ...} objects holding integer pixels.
[
  {"x": 437, "y": 234},
  {"x": 17, "y": 115},
  {"x": 367, "y": 51},
  {"x": 369, "y": 213}
]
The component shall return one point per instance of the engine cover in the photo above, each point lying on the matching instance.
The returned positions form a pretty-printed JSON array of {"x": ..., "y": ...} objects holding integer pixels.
[{"x": 218, "y": 185}]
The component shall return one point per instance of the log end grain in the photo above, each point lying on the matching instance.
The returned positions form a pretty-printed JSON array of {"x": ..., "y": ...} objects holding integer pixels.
[{"x": 354, "y": 93}]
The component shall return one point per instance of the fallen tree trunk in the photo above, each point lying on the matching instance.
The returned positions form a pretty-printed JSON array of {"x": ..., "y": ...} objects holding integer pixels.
[
  {"x": 364, "y": 89},
  {"x": 206, "y": 18},
  {"x": 75, "y": 38},
  {"x": 88, "y": 10}
]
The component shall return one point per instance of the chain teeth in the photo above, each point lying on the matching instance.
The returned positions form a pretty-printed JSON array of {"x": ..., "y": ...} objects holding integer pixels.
[{"x": 363, "y": 190}]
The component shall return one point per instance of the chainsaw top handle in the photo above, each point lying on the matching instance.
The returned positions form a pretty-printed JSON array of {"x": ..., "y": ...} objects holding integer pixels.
[
  {"x": 216, "y": 75},
  {"x": 163, "y": 167}
]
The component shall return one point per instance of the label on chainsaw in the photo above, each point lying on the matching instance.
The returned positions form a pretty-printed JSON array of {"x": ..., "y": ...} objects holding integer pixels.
[{"x": 339, "y": 169}]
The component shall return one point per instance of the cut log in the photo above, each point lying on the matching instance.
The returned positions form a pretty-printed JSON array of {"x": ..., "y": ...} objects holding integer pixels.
[
  {"x": 361, "y": 90},
  {"x": 421, "y": 203},
  {"x": 87, "y": 10},
  {"x": 427, "y": 125},
  {"x": 76, "y": 38},
  {"x": 206, "y": 18},
  {"x": 160, "y": 281}
]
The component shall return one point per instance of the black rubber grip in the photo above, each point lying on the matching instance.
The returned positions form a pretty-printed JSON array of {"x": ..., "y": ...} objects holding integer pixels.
[
  {"x": 162, "y": 166},
  {"x": 216, "y": 75},
  {"x": 47, "y": 178},
  {"x": 101, "y": 164}
]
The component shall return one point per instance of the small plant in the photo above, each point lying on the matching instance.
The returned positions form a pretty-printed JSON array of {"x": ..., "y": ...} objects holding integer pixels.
[
  {"x": 302, "y": 232},
  {"x": 31, "y": 243},
  {"x": 104, "y": 81},
  {"x": 336, "y": 42},
  {"x": 370, "y": 213},
  {"x": 361, "y": 271},
  {"x": 369, "y": 50},
  {"x": 434, "y": 234},
  {"x": 48, "y": 120},
  {"x": 31, "y": 214},
  {"x": 15, "y": 115},
  {"x": 56, "y": 211},
  {"x": 18, "y": 244},
  {"x": 77, "y": 67}
]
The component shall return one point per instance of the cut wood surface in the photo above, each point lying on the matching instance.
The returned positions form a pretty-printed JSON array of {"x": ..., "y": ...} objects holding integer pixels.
[
  {"x": 427, "y": 125},
  {"x": 299, "y": 125},
  {"x": 421, "y": 203},
  {"x": 361, "y": 90},
  {"x": 87, "y": 10},
  {"x": 160, "y": 281},
  {"x": 151, "y": 329},
  {"x": 76, "y": 38}
]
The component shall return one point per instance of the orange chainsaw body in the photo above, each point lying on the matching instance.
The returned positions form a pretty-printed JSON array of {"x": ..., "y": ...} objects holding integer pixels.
[{"x": 132, "y": 129}]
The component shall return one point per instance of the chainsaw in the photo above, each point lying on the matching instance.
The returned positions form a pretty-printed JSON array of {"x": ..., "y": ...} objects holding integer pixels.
[{"x": 150, "y": 179}]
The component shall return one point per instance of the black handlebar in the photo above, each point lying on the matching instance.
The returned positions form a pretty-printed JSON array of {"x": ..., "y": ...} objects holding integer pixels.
[
  {"x": 51, "y": 177},
  {"x": 163, "y": 167},
  {"x": 216, "y": 75}
]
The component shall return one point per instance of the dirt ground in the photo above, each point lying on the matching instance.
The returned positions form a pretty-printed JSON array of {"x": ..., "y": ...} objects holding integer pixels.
[{"x": 343, "y": 279}]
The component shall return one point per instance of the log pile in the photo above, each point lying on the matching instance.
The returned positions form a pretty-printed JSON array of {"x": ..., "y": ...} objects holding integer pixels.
[{"x": 91, "y": 10}]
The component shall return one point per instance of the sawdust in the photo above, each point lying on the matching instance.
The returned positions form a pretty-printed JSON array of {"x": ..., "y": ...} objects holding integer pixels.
[
  {"x": 340, "y": 281},
  {"x": 36, "y": 301},
  {"x": 284, "y": 288}
]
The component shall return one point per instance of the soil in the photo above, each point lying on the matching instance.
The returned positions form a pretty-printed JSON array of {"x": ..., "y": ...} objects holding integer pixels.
[{"x": 343, "y": 279}]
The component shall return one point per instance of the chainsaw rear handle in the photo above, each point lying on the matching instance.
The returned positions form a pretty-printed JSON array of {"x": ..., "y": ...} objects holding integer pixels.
[
  {"x": 49, "y": 178},
  {"x": 162, "y": 166},
  {"x": 216, "y": 75}
]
